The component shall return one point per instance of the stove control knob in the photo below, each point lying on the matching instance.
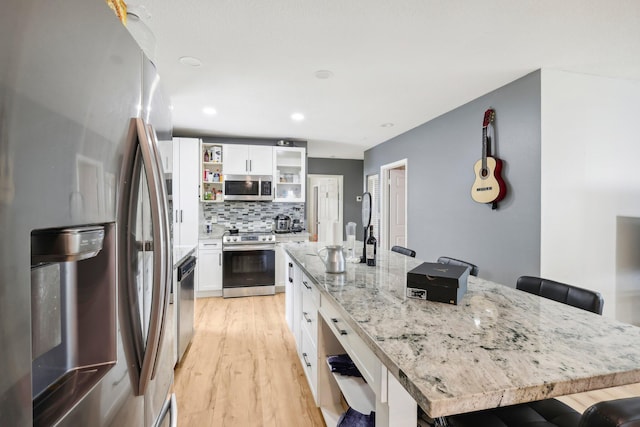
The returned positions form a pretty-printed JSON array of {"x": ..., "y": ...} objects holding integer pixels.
[{"x": 235, "y": 239}]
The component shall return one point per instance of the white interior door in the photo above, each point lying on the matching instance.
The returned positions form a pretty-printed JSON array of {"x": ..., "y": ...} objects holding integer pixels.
[
  {"x": 393, "y": 204},
  {"x": 397, "y": 206},
  {"x": 325, "y": 208}
]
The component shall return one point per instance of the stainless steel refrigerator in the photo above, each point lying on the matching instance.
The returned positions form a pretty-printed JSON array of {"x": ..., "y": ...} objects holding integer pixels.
[{"x": 86, "y": 335}]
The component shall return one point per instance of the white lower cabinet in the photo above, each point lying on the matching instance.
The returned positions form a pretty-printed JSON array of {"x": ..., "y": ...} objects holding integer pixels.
[
  {"x": 289, "y": 294},
  {"x": 309, "y": 358},
  {"x": 308, "y": 319},
  {"x": 209, "y": 278},
  {"x": 320, "y": 330},
  {"x": 281, "y": 256}
]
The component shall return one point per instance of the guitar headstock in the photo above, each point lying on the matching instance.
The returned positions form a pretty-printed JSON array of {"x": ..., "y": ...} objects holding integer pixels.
[{"x": 489, "y": 115}]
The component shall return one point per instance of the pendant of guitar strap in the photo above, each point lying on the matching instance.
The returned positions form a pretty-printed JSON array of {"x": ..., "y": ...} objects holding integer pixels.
[{"x": 494, "y": 206}]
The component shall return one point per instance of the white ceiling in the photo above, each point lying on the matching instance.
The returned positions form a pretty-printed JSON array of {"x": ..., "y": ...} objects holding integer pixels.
[{"x": 402, "y": 62}]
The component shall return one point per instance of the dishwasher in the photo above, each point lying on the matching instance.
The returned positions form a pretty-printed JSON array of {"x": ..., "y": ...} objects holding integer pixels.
[{"x": 185, "y": 299}]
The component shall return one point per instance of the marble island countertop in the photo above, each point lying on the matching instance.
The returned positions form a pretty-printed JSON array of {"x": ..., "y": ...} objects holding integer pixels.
[{"x": 498, "y": 347}]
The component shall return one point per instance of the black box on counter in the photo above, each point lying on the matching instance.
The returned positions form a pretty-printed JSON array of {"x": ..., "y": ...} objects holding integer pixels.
[{"x": 437, "y": 282}]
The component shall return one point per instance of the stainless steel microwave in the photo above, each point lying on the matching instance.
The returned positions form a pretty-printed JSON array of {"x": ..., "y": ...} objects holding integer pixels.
[{"x": 248, "y": 187}]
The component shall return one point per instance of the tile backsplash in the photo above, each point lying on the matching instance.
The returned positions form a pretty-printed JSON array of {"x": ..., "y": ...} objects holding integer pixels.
[{"x": 250, "y": 216}]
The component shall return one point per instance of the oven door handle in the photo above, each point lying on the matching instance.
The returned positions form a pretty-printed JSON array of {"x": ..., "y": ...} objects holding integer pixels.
[{"x": 245, "y": 248}]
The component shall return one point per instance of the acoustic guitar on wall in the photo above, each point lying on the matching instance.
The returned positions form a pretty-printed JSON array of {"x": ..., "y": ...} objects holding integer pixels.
[{"x": 488, "y": 187}]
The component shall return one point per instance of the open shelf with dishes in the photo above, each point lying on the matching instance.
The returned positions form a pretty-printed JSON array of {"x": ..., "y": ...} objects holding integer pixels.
[{"x": 211, "y": 178}]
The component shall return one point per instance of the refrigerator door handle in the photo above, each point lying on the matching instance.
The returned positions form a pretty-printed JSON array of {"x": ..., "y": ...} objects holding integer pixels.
[
  {"x": 147, "y": 354},
  {"x": 170, "y": 407},
  {"x": 165, "y": 255},
  {"x": 174, "y": 411}
]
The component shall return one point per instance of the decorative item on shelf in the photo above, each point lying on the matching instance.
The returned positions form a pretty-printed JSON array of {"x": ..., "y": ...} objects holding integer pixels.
[
  {"x": 216, "y": 177},
  {"x": 206, "y": 156},
  {"x": 217, "y": 154},
  {"x": 284, "y": 143},
  {"x": 488, "y": 187}
]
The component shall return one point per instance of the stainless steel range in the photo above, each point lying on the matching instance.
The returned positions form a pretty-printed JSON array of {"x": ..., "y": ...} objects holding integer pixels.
[{"x": 248, "y": 264}]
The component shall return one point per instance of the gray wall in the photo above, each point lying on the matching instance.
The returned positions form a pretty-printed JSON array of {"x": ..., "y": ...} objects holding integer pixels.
[
  {"x": 442, "y": 217},
  {"x": 352, "y": 171}
]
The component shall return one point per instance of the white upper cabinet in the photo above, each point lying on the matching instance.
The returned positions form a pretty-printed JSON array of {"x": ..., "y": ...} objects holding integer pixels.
[
  {"x": 185, "y": 190},
  {"x": 247, "y": 159},
  {"x": 166, "y": 152},
  {"x": 289, "y": 178}
]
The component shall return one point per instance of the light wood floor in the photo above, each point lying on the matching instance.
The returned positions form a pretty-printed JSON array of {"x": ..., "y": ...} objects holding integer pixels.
[
  {"x": 582, "y": 401},
  {"x": 242, "y": 368}
]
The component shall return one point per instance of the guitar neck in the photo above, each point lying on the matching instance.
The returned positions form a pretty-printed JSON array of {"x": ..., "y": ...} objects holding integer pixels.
[{"x": 484, "y": 148}]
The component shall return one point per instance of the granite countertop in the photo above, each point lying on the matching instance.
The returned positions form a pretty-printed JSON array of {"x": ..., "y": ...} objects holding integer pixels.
[
  {"x": 216, "y": 232},
  {"x": 498, "y": 347},
  {"x": 180, "y": 253}
]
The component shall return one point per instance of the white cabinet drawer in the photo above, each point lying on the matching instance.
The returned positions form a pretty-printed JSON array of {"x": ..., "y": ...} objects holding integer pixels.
[
  {"x": 210, "y": 244},
  {"x": 308, "y": 288},
  {"x": 366, "y": 361},
  {"x": 309, "y": 318},
  {"x": 309, "y": 358}
]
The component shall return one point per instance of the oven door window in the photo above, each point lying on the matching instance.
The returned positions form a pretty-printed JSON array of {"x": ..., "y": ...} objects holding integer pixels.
[
  {"x": 242, "y": 188},
  {"x": 248, "y": 268}
]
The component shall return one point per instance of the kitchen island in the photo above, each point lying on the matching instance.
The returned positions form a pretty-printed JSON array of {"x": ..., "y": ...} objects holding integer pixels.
[{"x": 498, "y": 347}]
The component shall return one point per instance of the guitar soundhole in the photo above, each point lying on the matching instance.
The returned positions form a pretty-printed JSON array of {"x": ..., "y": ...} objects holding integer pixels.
[{"x": 484, "y": 173}]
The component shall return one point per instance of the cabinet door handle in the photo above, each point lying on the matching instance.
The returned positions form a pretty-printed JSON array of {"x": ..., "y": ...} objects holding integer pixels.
[
  {"x": 180, "y": 215},
  {"x": 304, "y": 314},
  {"x": 220, "y": 259},
  {"x": 250, "y": 165},
  {"x": 335, "y": 322},
  {"x": 306, "y": 285},
  {"x": 246, "y": 165},
  {"x": 306, "y": 361}
]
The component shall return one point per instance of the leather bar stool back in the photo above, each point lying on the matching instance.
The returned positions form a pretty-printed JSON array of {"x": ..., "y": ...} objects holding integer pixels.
[
  {"x": 404, "y": 251},
  {"x": 561, "y": 292}
]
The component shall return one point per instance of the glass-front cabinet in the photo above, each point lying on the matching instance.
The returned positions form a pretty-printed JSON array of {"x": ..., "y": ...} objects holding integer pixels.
[
  {"x": 211, "y": 178},
  {"x": 289, "y": 164}
]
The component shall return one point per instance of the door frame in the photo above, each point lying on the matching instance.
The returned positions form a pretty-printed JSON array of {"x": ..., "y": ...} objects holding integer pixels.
[{"x": 384, "y": 200}]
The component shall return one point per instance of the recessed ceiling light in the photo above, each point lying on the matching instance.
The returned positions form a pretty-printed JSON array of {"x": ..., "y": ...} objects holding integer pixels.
[
  {"x": 190, "y": 60},
  {"x": 298, "y": 117},
  {"x": 210, "y": 111},
  {"x": 323, "y": 74},
  {"x": 387, "y": 125}
]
